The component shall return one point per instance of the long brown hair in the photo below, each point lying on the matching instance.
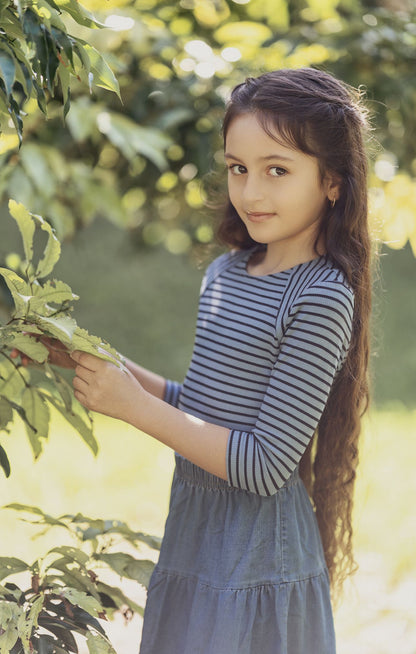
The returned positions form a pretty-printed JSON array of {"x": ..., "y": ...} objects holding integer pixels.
[{"x": 312, "y": 111}]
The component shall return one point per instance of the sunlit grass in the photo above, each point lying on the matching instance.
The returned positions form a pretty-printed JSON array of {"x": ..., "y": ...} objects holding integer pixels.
[
  {"x": 130, "y": 481},
  {"x": 386, "y": 487}
]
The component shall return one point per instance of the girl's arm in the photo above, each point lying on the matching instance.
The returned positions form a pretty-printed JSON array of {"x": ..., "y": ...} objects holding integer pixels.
[
  {"x": 261, "y": 459},
  {"x": 151, "y": 382},
  {"x": 103, "y": 387}
]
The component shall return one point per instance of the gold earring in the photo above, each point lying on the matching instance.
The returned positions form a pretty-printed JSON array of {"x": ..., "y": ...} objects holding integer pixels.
[{"x": 333, "y": 202}]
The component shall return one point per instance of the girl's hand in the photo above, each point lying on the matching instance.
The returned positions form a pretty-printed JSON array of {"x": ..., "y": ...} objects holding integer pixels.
[
  {"x": 104, "y": 387},
  {"x": 59, "y": 355}
]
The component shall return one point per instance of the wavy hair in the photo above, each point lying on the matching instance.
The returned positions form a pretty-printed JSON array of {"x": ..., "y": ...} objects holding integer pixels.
[{"x": 314, "y": 112}]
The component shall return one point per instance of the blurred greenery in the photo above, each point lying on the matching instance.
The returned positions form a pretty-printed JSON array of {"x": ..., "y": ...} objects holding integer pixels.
[
  {"x": 145, "y": 164},
  {"x": 142, "y": 163}
]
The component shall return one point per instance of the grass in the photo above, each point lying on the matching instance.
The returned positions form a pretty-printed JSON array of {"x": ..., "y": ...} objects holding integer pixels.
[
  {"x": 385, "y": 520},
  {"x": 130, "y": 478}
]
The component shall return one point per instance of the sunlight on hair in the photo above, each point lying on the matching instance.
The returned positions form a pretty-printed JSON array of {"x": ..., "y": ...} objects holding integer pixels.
[{"x": 386, "y": 167}]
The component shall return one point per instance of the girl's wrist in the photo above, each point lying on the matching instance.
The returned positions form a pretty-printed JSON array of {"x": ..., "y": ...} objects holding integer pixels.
[{"x": 138, "y": 408}]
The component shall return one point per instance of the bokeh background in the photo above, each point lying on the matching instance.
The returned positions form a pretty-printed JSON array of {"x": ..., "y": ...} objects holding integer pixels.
[{"x": 126, "y": 185}]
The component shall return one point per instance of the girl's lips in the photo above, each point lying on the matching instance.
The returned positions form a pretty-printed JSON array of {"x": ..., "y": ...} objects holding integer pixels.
[{"x": 257, "y": 217}]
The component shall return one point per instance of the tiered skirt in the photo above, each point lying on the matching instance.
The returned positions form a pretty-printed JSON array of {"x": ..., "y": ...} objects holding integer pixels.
[{"x": 238, "y": 573}]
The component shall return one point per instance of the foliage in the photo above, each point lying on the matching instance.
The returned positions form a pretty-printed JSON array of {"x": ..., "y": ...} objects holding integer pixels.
[
  {"x": 66, "y": 594},
  {"x": 41, "y": 308},
  {"x": 144, "y": 164},
  {"x": 37, "y": 54}
]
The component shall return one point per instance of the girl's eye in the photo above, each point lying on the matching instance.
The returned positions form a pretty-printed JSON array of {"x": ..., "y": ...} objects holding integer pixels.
[
  {"x": 276, "y": 171},
  {"x": 237, "y": 169}
]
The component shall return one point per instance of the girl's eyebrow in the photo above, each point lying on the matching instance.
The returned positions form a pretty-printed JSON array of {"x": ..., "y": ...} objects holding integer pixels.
[{"x": 281, "y": 157}]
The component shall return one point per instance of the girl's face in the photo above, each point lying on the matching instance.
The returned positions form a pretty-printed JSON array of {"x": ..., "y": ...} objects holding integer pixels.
[{"x": 276, "y": 190}]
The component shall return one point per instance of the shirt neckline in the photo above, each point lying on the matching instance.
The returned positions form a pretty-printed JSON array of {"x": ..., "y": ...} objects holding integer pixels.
[{"x": 248, "y": 254}]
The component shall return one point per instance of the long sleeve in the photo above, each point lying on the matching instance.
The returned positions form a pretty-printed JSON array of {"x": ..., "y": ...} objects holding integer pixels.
[
  {"x": 313, "y": 346},
  {"x": 172, "y": 392}
]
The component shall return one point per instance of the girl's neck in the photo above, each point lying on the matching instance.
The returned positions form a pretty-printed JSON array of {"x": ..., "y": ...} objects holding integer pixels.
[{"x": 275, "y": 259}]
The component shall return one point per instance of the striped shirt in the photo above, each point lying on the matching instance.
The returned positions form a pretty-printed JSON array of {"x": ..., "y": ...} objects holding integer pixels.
[{"x": 267, "y": 350}]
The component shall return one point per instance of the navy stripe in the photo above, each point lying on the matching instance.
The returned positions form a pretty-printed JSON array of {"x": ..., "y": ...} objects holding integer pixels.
[{"x": 266, "y": 352}]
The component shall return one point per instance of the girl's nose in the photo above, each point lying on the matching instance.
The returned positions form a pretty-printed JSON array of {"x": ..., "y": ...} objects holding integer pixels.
[{"x": 253, "y": 190}]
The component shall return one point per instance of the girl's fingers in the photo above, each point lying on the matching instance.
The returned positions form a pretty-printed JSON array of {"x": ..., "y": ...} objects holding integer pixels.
[
  {"x": 81, "y": 397},
  {"x": 80, "y": 384},
  {"x": 25, "y": 360},
  {"x": 84, "y": 373},
  {"x": 88, "y": 361}
]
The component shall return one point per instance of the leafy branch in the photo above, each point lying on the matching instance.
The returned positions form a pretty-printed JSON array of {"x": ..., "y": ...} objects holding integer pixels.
[
  {"x": 38, "y": 55},
  {"x": 66, "y": 595},
  {"x": 42, "y": 308}
]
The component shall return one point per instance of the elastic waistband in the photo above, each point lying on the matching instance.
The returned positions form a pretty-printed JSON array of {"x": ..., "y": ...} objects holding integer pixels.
[{"x": 193, "y": 474}]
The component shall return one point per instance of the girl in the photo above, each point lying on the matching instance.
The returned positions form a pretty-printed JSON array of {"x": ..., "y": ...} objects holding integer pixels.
[{"x": 275, "y": 388}]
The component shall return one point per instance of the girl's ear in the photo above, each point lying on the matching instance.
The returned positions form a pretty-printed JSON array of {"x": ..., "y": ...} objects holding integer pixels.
[{"x": 332, "y": 184}]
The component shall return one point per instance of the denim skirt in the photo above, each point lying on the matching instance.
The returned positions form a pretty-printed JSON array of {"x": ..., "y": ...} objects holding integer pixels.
[{"x": 238, "y": 573}]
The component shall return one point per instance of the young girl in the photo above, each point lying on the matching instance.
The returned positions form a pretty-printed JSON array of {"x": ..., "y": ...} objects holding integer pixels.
[{"x": 280, "y": 356}]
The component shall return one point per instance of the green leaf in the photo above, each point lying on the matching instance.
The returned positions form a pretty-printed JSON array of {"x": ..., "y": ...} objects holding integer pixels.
[
  {"x": 127, "y": 566},
  {"x": 97, "y": 644},
  {"x": 10, "y": 615},
  {"x": 133, "y": 139},
  {"x": 40, "y": 96},
  {"x": 26, "y": 224},
  {"x": 18, "y": 409},
  {"x": 6, "y": 413},
  {"x": 62, "y": 387},
  {"x": 35, "y": 164},
  {"x": 65, "y": 42},
  {"x": 118, "y": 597},
  {"x": 72, "y": 553},
  {"x": 60, "y": 327},
  {"x": 7, "y": 70},
  {"x": 82, "y": 340},
  {"x": 47, "y": 645},
  {"x": 64, "y": 77},
  {"x": 102, "y": 74},
  {"x": 84, "y": 601},
  {"x": 31, "y": 347},
  {"x": 52, "y": 250},
  {"x": 19, "y": 289},
  {"x": 85, "y": 430},
  {"x": 71, "y": 577},
  {"x": 38, "y": 416},
  {"x": 53, "y": 291},
  {"x": 14, "y": 112},
  {"x": 13, "y": 381},
  {"x": 46, "y": 519},
  {"x": 61, "y": 629},
  {"x": 31, "y": 622},
  {"x": 79, "y": 13},
  {"x": 10, "y": 565},
  {"x": 11, "y": 591},
  {"x": 4, "y": 461}
]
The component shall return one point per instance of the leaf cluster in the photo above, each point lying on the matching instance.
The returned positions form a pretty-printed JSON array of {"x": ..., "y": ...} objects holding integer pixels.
[
  {"x": 39, "y": 55},
  {"x": 66, "y": 594},
  {"x": 42, "y": 308},
  {"x": 146, "y": 164}
]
